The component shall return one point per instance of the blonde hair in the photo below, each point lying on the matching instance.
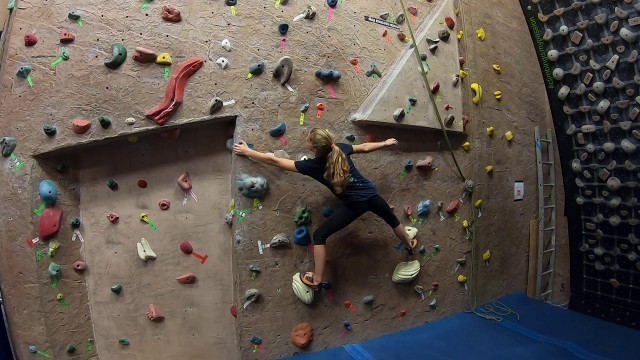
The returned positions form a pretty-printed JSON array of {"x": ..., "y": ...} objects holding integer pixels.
[{"x": 337, "y": 171}]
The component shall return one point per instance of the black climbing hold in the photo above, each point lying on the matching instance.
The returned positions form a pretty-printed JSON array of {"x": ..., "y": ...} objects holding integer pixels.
[
  {"x": 215, "y": 105},
  {"x": 413, "y": 101},
  {"x": 61, "y": 168},
  {"x": 332, "y": 3},
  {"x": 278, "y": 130},
  {"x": 112, "y": 184},
  {"x": 423, "y": 57},
  {"x": 49, "y": 130},
  {"x": 257, "y": 68},
  {"x": 104, "y": 121},
  {"x": 283, "y": 28},
  {"x": 328, "y": 75},
  {"x": 351, "y": 138},
  {"x": 304, "y": 108},
  {"x": 230, "y": 2},
  {"x": 75, "y": 222}
]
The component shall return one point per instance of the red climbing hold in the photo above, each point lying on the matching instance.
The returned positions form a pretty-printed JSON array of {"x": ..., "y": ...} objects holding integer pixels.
[
  {"x": 142, "y": 184},
  {"x": 30, "y": 40},
  {"x": 234, "y": 311},
  {"x": 453, "y": 206},
  {"x": 450, "y": 23},
  {"x": 49, "y": 223},
  {"x": 186, "y": 248}
]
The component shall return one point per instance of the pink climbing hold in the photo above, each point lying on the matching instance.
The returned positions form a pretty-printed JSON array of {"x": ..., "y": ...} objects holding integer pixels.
[{"x": 49, "y": 223}]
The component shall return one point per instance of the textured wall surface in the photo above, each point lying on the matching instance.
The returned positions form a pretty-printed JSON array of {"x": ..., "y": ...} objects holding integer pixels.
[{"x": 362, "y": 256}]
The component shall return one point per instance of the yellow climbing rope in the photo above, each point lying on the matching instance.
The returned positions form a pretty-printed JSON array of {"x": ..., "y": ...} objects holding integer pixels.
[{"x": 426, "y": 82}]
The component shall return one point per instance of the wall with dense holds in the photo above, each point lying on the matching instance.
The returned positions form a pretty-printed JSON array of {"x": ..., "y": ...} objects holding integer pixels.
[{"x": 362, "y": 256}]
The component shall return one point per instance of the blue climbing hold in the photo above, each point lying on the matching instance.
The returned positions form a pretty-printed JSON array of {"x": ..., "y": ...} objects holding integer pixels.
[
  {"x": 327, "y": 211},
  {"x": 32, "y": 349},
  {"x": 424, "y": 207},
  {"x": 283, "y": 28},
  {"x": 328, "y": 75},
  {"x": 301, "y": 236},
  {"x": 256, "y": 340},
  {"x": 48, "y": 192},
  {"x": 278, "y": 130},
  {"x": 423, "y": 250},
  {"x": 347, "y": 326},
  {"x": 332, "y": 3}
]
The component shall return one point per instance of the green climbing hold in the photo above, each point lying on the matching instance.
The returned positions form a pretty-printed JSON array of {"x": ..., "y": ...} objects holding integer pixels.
[
  {"x": 65, "y": 54},
  {"x": 71, "y": 349},
  {"x": 104, "y": 121},
  {"x": 75, "y": 222},
  {"x": 116, "y": 289},
  {"x": 302, "y": 216},
  {"x": 124, "y": 341},
  {"x": 112, "y": 184},
  {"x": 49, "y": 130},
  {"x": 118, "y": 56},
  {"x": 54, "y": 270}
]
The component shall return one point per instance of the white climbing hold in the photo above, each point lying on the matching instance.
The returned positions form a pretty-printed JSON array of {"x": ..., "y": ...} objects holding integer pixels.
[
  {"x": 226, "y": 44},
  {"x": 222, "y": 62},
  {"x": 564, "y": 92},
  {"x": 406, "y": 271},
  {"x": 130, "y": 121},
  {"x": 302, "y": 291}
]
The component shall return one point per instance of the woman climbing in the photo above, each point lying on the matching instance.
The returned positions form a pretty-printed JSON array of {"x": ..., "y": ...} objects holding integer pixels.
[{"x": 332, "y": 167}]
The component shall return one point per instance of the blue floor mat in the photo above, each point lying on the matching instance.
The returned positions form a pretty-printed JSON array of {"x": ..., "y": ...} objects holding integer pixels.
[{"x": 543, "y": 332}]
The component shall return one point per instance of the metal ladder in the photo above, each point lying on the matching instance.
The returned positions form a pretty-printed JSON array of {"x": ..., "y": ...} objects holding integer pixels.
[{"x": 546, "y": 171}]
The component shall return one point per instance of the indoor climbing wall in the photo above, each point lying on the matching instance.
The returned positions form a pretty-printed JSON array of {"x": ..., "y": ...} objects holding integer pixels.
[
  {"x": 130, "y": 90},
  {"x": 589, "y": 56}
]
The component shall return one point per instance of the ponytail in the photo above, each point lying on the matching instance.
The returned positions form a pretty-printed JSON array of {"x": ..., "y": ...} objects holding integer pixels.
[{"x": 337, "y": 171}]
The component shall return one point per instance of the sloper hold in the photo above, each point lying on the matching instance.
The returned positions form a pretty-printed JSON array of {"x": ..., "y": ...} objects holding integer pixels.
[
  {"x": 49, "y": 223},
  {"x": 283, "y": 70},
  {"x": 328, "y": 75},
  {"x": 118, "y": 56},
  {"x": 143, "y": 55},
  {"x": 8, "y": 145},
  {"x": 256, "y": 69},
  {"x": 184, "y": 181},
  {"x": 278, "y": 130},
  {"x": 171, "y": 13},
  {"x": 48, "y": 192}
]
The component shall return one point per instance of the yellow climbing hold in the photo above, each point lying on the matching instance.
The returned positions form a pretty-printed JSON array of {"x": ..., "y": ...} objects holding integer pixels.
[
  {"x": 497, "y": 94},
  {"x": 462, "y": 279},
  {"x": 164, "y": 59},
  {"x": 59, "y": 296},
  {"x": 477, "y": 92},
  {"x": 486, "y": 255},
  {"x": 465, "y": 224},
  {"x": 466, "y": 146},
  {"x": 478, "y": 203},
  {"x": 508, "y": 135},
  {"x": 460, "y": 34},
  {"x": 488, "y": 169},
  {"x": 463, "y": 74},
  {"x": 497, "y": 68},
  {"x": 490, "y": 130},
  {"x": 457, "y": 11},
  {"x": 481, "y": 34}
]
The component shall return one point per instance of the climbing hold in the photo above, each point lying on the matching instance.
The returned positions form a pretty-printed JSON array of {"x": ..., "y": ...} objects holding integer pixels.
[
  {"x": 73, "y": 15},
  {"x": 104, "y": 121},
  {"x": 497, "y": 94},
  {"x": 408, "y": 165},
  {"x": 48, "y": 192},
  {"x": 453, "y": 206},
  {"x": 116, "y": 289},
  {"x": 188, "y": 278},
  {"x": 477, "y": 93},
  {"x": 164, "y": 59},
  {"x": 49, "y": 223},
  {"x": 118, "y": 56},
  {"x": 301, "y": 335},
  {"x": 184, "y": 181},
  {"x": 302, "y": 216},
  {"x": 144, "y": 250},
  {"x": 222, "y": 62},
  {"x": 449, "y": 22},
  {"x": 384, "y": 16},
  {"x": 32, "y": 349},
  {"x": 112, "y": 184},
  {"x": 283, "y": 29},
  {"x": 171, "y": 13},
  {"x": 30, "y": 40},
  {"x": 186, "y": 248},
  {"x": 406, "y": 271},
  {"x": 408, "y": 210},
  {"x": 424, "y": 207},
  {"x": 398, "y": 115},
  {"x": 279, "y": 240},
  {"x": 401, "y": 36},
  {"x": 215, "y": 105},
  {"x": 123, "y": 342},
  {"x": 426, "y": 163},
  {"x": 460, "y": 34},
  {"x": 66, "y": 37},
  {"x": 252, "y": 295},
  {"x": 164, "y": 204},
  {"x": 80, "y": 266},
  {"x": 413, "y": 10},
  {"x": 226, "y": 44},
  {"x": 490, "y": 131},
  {"x": 310, "y": 12},
  {"x": 256, "y": 69},
  {"x": 143, "y": 55},
  {"x": 435, "y": 86},
  {"x": 463, "y": 74},
  {"x": 413, "y": 101},
  {"x": 400, "y": 18},
  {"x": 130, "y": 121},
  {"x": 328, "y": 75},
  {"x": 433, "y": 304},
  {"x": 486, "y": 255},
  {"x": 481, "y": 34},
  {"x": 283, "y": 70},
  {"x": 497, "y": 68},
  {"x": 326, "y": 212},
  {"x": 142, "y": 184},
  {"x": 466, "y": 146},
  {"x": 454, "y": 79},
  {"x": 411, "y": 232},
  {"x": 75, "y": 222},
  {"x": 54, "y": 270},
  {"x": 23, "y": 71},
  {"x": 627, "y": 35},
  {"x": 462, "y": 279},
  {"x": 80, "y": 126},
  {"x": 302, "y": 291},
  {"x": 332, "y": 3},
  {"x": 373, "y": 71},
  {"x": 154, "y": 314},
  {"x": 488, "y": 169},
  {"x": 449, "y": 119},
  {"x": 71, "y": 349},
  {"x": 444, "y": 34},
  {"x": 301, "y": 236},
  {"x": 508, "y": 135},
  {"x": 113, "y": 217},
  {"x": 368, "y": 300},
  {"x": 252, "y": 187}
]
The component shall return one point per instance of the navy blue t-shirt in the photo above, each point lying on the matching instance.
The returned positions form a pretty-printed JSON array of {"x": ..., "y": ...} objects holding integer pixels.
[{"x": 358, "y": 188}]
